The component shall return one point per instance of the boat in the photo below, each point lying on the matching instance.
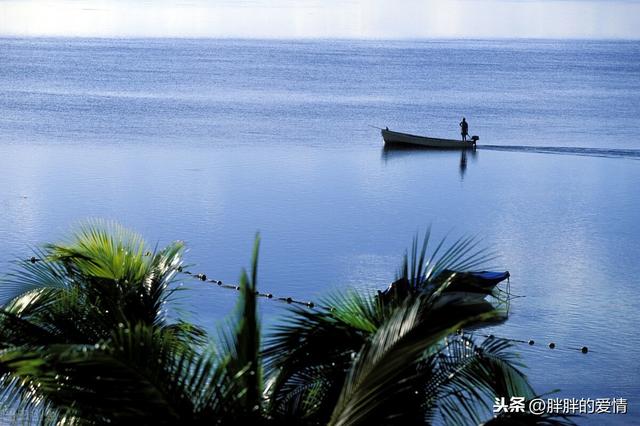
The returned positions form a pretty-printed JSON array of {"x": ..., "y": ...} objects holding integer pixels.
[
  {"x": 481, "y": 282},
  {"x": 471, "y": 286},
  {"x": 391, "y": 137}
]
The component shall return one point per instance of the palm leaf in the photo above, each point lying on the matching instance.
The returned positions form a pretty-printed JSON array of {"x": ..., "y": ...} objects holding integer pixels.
[
  {"x": 141, "y": 374},
  {"x": 421, "y": 268},
  {"x": 464, "y": 379},
  {"x": 310, "y": 352},
  {"x": 387, "y": 366},
  {"x": 240, "y": 344}
]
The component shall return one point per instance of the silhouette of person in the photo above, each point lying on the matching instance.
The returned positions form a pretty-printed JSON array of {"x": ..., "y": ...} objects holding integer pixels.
[{"x": 464, "y": 129}]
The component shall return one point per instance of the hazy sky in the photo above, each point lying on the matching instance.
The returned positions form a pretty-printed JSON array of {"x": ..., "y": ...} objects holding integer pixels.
[{"x": 322, "y": 18}]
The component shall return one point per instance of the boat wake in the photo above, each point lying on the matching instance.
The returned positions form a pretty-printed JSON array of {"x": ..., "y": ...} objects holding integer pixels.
[{"x": 590, "y": 152}]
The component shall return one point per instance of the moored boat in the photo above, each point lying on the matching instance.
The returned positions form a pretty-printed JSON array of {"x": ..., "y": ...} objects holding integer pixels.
[
  {"x": 471, "y": 286},
  {"x": 391, "y": 137},
  {"x": 481, "y": 282}
]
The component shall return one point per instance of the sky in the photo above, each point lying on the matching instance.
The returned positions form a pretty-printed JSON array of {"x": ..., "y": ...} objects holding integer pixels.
[{"x": 368, "y": 19}]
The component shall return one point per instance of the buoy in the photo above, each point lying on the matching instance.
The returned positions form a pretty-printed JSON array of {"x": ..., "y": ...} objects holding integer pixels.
[
  {"x": 289, "y": 300},
  {"x": 310, "y": 304},
  {"x": 269, "y": 295},
  {"x": 203, "y": 277},
  {"x": 584, "y": 349},
  {"x": 531, "y": 342},
  {"x": 552, "y": 345},
  {"x": 219, "y": 282},
  {"x": 33, "y": 259}
]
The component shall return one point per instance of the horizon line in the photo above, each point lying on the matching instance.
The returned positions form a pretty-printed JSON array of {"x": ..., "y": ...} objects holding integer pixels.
[{"x": 311, "y": 38}]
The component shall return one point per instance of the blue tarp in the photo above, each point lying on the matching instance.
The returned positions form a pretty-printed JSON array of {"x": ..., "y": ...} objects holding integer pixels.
[{"x": 491, "y": 276}]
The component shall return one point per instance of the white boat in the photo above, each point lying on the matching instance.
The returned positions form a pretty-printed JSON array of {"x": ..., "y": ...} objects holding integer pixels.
[{"x": 391, "y": 137}]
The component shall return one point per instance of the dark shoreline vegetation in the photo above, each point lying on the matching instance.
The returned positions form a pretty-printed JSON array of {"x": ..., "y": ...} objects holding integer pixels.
[{"x": 85, "y": 339}]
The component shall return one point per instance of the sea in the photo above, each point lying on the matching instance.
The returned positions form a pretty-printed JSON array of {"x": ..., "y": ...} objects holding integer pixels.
[{"x": 213, "y": 141}]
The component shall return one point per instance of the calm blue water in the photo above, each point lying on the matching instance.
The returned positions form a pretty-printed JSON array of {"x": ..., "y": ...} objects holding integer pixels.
[{"x": 211, "y": 141}]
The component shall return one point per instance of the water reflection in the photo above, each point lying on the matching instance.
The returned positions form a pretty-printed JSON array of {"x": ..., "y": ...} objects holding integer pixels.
[
  {"x": 463, "y": 163},
  {"x": 397, "y": 151}
]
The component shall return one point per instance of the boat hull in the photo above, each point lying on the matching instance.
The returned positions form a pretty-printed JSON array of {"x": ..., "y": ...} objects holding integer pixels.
[
  {"x": 467, "y": 286},
  {"x": 391, "y": 137}
]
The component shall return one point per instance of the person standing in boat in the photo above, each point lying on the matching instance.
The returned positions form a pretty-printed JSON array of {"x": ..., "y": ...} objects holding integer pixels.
[{"x": 464, "y": 129}]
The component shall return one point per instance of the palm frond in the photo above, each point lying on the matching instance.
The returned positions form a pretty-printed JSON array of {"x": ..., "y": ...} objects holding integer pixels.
[
  {"x": 386, "y": 367},
  {"x": 465, "y": 378},
  {"x": 310, "y": 352},
  {"x": 240, "y": 342},
  {"x": 104, "y": 250},
  {"x": 106, "y": 276},
  {"x": 421, "y": 268},
  {"x": 27, "y": 276},
  {"x": 141, "y": 374}
]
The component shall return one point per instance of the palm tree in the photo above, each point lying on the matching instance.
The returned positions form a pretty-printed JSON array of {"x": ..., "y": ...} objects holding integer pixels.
[
  {"x": 78, "y": 347},
  {"x": 78, "y": 292},
  {"x": 403, "y": 360},
  {"x": 77, "y": 299}
]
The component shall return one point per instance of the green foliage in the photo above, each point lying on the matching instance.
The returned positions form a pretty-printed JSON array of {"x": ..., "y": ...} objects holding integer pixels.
[
  {"x": 241, "y": 346},
  {"x": 81, "y": 290},
  {"x": 84, "y": 340},
  {"x": 103, "y": 281}
]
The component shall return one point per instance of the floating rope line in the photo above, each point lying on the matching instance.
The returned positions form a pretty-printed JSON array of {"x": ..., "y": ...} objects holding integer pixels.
[
  {"x": 202, "y": 277},
  {"x": 309, "y": 304},
  {"x": 289, "y": 300},
  {"x": 531, "y": 342}
]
